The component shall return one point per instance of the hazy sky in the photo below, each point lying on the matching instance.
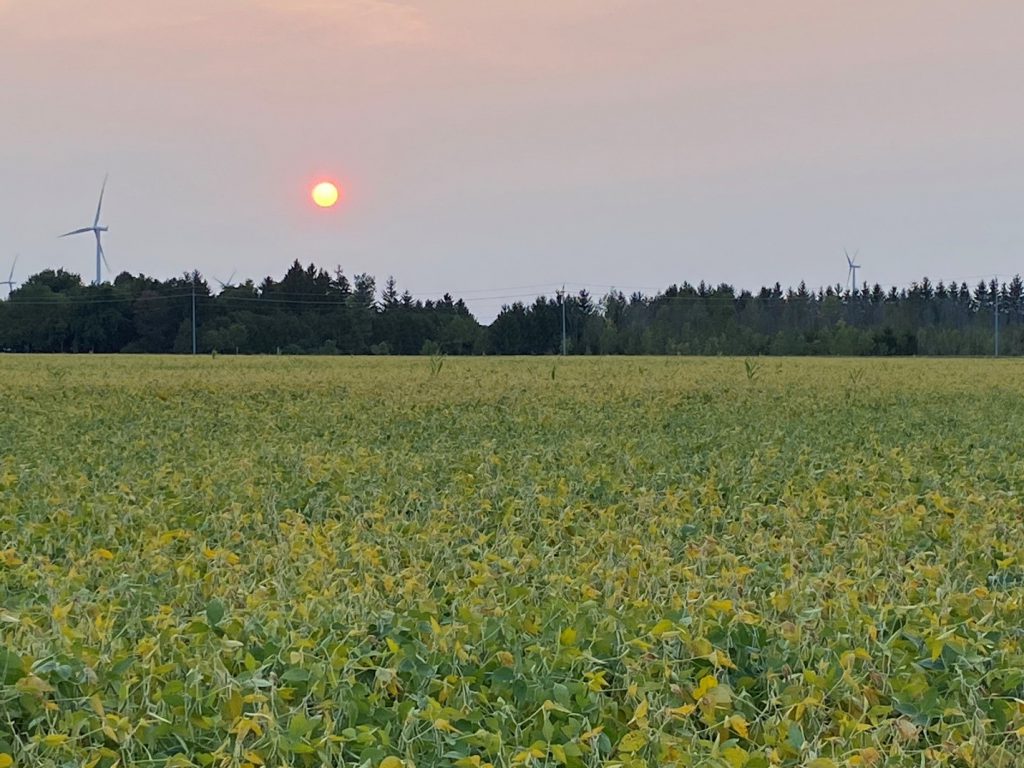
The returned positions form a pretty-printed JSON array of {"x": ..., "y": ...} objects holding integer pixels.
[{"x": 487, "y": 145}]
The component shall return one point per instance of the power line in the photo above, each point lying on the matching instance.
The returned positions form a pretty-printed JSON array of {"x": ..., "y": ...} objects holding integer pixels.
[
  {"x": 341, "y": 300},
  {"x": 62, "y": 299},
  {"x": 485, "y": 290}
]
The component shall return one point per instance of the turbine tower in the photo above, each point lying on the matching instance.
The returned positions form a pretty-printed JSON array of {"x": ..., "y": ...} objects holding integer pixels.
[
  {"x": 9, "y": 282},
  {"x": 96, "y": 229},
  {"x": 851, "y": 276}
]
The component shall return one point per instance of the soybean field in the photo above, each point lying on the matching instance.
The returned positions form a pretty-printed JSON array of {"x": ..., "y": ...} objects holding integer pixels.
[{"x": 243, "y": 562}]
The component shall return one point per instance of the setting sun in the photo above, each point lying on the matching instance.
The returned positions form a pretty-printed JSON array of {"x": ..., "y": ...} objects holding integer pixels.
[{"x": 325, "y": 194}]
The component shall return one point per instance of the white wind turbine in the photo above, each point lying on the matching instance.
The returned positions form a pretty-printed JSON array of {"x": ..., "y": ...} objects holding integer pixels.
[
  {"x": 225, "y": 284},
  {"x": 96, "y": 229},
  {"x": 9, "y": 282},
  {"x": 851, "y": 276}
]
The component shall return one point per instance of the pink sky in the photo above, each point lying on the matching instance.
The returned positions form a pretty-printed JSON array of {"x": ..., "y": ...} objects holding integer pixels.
[{"x": 488, "y": 145}]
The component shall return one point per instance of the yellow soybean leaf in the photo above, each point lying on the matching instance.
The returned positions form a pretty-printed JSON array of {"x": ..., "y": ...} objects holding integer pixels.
[
  {"x": 738, "y": 724},
  {"x": 10, "y": 558},
  {"x": 721, "y": 659},
  {"x": 55, "y": 739},
  {"x": 870, "y": 756},
  {"x": 443, "y": 725},
  {"x": 550, "y": 706},
  {"x": 661, "y": 628},
  {"x": 684, "y": 711},
  {"x": 720, "y": 606},
  {"x": 706, "y": 684},
  {"x": 821, "y": 762},
  {"x": 632, "y": 742},
  {"x": 597, "y": 682},
  {"x": 6, "y": 761},
  {"x": 568, "y": 636},
  {"x": 234, "y": 706},
  {"x": 720, "y": 696},
  {"x": 736, "y": 756},
  {"x": 244, "y": 726},
  {"x": 641, "y": 711}
]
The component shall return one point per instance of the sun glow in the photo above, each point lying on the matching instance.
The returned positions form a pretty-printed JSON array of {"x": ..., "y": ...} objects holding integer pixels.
[{"x": 325, "y": 194}]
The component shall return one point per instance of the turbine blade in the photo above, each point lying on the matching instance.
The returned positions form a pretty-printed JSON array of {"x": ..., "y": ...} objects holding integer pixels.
[
  {"x": 10, "y": 278},
  {"x": 103, "y": 255},
  {"x": 99, "y": 207},
  {"x": 81, "y": 231},
  {"x": 225, "y": 284}
]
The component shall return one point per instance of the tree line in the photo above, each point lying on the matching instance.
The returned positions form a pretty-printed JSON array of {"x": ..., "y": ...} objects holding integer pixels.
[{"x": 313, "y": 311}]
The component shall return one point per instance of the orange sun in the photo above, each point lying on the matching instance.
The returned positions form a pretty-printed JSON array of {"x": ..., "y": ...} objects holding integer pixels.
[{"x": 325, "y": 194}]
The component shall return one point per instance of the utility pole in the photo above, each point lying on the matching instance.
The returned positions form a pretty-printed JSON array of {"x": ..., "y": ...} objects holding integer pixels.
[
  {"x": 996, "y": 313},
  {"x": 561, "y": 296},
  {"x": 193, "y": 312}
]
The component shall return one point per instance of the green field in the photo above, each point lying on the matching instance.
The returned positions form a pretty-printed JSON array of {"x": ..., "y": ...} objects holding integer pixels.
[{"x": 636, "y": 562}]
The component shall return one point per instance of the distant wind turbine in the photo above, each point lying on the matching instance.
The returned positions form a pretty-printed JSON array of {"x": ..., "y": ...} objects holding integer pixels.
[
  {"x": 9, "y": 282},
  {"x": 851, "y": 276},
  {"x": 225, "y": 284},
  {"x": 96, "y": 229}
]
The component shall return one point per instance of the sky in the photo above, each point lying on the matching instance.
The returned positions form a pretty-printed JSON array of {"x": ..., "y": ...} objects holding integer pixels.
[{"x": 498, "y": 149}]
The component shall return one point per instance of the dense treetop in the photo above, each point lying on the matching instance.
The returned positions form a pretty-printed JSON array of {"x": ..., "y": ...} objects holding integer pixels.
[{"x": 310, "y": 310}]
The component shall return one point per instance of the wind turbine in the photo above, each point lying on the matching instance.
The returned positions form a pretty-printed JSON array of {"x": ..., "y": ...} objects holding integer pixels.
[
  {"x": 96, "y": 229},
  {"x": 851, "y": 276},
  {"x": 225, "y": 284},
  {"x": 9, "y": 282}
]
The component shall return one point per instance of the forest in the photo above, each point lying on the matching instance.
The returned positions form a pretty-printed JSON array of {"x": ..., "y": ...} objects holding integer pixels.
[{"x": 313, "y": 311}]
